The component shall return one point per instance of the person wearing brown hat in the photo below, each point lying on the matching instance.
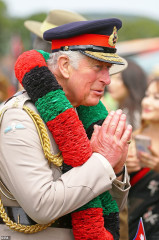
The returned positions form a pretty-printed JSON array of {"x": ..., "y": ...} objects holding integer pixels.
[
  {"x": 54, "y": 18},
  {"x": 62, "y": 155}
]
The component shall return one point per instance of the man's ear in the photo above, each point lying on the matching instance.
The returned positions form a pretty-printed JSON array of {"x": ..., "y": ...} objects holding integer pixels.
[{"x": 64, "y": 66}]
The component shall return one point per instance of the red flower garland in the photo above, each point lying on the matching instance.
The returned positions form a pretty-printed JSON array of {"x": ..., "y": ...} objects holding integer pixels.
[{"x": 72, "y": 140}]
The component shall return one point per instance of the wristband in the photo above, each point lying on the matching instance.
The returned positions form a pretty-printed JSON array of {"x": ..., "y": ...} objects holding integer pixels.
[{"x": 121, "y": 172}]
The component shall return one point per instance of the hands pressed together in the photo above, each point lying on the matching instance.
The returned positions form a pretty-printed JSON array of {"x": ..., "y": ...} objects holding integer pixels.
[{"x": 110, "y": 139}]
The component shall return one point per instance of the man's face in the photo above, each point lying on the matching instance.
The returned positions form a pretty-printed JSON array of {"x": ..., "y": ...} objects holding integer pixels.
[{"x": 86, "y": 84}]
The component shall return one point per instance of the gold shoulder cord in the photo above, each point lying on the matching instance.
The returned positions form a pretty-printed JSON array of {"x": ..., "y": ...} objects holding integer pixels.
[
  {"x": 55, "y": 159},
  {"x": 45, "y": 141}
]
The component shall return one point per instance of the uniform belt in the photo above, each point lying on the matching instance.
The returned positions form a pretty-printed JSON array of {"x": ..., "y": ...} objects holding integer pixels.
[{"x": 17, "y": 214}]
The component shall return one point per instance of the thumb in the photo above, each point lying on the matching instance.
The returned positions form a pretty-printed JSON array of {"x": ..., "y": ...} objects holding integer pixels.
[
  {"x": 95, "y": 132},
  {"x": 96, "y": 129},
  {"x": 152, "y": 151}
]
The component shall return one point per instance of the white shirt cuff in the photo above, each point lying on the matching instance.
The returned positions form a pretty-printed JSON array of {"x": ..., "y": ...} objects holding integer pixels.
[{"x": 107, "y": 166}]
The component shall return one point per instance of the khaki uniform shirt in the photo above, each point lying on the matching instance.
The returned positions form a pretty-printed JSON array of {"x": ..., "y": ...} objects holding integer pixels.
[{"x": 40, "y": 189}]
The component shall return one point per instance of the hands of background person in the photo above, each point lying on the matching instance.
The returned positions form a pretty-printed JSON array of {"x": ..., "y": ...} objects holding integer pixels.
[
  {"x": 132, "y": 162},
  {"x": 149, "y": 160},
  {"x": 110, "y": 139}
]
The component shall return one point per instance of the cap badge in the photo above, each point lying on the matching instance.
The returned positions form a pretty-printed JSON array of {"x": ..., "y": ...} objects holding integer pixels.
[
  {"x": 66, "y": 48},
  {"x": 113, "y": 37}
]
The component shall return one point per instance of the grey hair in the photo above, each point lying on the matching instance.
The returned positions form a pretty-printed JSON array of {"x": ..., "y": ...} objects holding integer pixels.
[
  {"x": 74, "y": 57},
  {"x": 41, "y": 44}
]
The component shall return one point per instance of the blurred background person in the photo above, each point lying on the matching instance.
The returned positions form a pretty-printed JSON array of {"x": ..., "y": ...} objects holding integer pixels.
[
  {"x": 5, "y": 88},
  {"x": 54, "y": 18},
  {"x": 143, "y": 168},
  {"x": 126, "y": 91},
  {"x": 154, "y": 72},
  {"x": 16, "y": 49}
]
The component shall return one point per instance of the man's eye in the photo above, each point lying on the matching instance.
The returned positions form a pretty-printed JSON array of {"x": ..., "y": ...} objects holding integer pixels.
[{"x": 98, "y": 66}]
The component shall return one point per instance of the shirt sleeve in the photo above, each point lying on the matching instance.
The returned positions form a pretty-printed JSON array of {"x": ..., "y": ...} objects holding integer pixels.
[
  {"x": 43, "y": 192},
  {"x": 107, "y": 165}
]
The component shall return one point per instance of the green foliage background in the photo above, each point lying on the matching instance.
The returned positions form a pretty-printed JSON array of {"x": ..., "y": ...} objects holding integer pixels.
[{"x": 133, "y": 27}]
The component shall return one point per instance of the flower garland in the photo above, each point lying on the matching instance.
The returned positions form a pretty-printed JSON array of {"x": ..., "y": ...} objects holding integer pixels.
[{"x": 99, "y": 218}]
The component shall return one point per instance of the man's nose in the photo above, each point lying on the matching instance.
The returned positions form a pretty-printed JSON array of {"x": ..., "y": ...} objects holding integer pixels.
[{"x": 104, "y": 76}]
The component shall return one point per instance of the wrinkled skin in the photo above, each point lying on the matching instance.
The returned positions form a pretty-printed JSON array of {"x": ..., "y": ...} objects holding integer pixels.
[{"x": 111, "y": 138}]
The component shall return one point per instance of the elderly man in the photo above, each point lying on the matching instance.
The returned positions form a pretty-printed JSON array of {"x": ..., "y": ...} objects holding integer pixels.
[{"x": 35, "y": 188}]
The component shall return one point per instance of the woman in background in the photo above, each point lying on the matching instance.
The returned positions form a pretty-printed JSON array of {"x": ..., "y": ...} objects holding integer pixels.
[
  {"x": 127, "y": 89},
  {"x": 144, "y": 169},
  {"x": 126, "y": 92}
]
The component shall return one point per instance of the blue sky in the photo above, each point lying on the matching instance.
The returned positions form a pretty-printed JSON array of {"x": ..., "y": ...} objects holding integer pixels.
[{"x": 149, "y": 8}]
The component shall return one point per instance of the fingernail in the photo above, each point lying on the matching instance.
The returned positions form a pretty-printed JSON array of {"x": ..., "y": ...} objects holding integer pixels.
[
  {"x": 119, "y": 111},
  {"x": 123, "y": 116},
  {"x": 129, "y": 126},
  {"x": 112, "y": 113},
  {"x": 95, "y": 126}
]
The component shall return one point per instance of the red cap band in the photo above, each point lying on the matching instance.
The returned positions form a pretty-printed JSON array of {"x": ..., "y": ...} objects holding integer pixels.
[{"x": 85, "y": 39}]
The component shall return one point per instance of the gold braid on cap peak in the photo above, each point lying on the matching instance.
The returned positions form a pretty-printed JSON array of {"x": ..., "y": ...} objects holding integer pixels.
[{"x": 105, "y": 56}]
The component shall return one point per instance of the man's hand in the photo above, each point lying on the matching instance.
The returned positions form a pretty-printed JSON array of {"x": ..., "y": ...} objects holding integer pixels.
[{"x": 111, "y": 138}]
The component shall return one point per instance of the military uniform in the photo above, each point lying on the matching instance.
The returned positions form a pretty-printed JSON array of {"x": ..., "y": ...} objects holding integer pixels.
[{"x": 40, "y": 189}]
